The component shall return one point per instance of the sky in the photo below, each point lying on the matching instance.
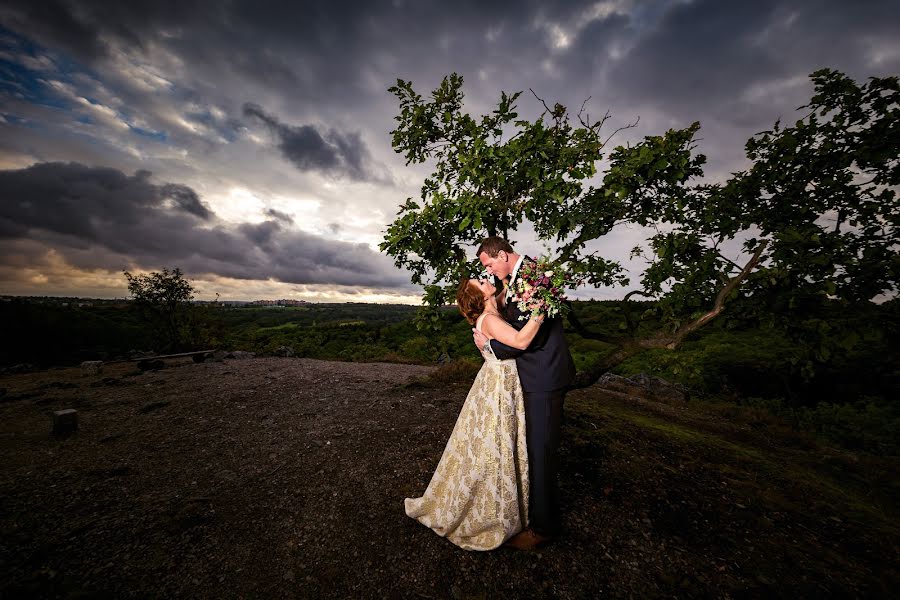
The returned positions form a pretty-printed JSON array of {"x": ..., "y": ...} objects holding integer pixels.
[{"x": 248, "y": 142}]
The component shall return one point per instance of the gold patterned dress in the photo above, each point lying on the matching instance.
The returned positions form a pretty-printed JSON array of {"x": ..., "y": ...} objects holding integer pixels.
[{"x": 478, "y": 495}]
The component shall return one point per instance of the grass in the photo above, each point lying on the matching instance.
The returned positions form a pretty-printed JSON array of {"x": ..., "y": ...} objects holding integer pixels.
[
  {"x": 775, "y": 470},
  {"x": 283, "y": 327}
]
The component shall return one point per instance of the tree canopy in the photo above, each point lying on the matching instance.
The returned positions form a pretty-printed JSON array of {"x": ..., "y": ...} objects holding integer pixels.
[{"x": 816, "y": 213}]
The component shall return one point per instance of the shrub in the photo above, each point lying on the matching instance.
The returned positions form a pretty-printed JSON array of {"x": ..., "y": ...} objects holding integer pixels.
[
  {"x": 461, "y": 370},
  {"x": 870, "y": 424}
]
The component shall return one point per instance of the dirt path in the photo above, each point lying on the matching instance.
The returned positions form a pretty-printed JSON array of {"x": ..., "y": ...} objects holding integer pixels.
[{"x": 285, "y": 478}]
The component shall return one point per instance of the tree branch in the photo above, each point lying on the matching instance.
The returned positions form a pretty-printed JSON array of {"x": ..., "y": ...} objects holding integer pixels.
[
  {"x": 622, "y": 128},
  {"x": 541, "y": 100},
  {"x": 718, "y": 306},
  {"x": 579, "y": 328},
  {"x": 630, "y": 321}
]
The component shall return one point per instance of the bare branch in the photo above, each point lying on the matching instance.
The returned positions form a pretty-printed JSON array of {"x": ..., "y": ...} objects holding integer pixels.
[
  {"x": 581, "y": 111},
  {"x": 541, "y": 100},
  {"x": 726, "y": 259},
  {"x": 624, "y": 127}
]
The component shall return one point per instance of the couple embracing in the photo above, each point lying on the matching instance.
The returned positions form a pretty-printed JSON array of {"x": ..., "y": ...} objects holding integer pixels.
[{"x": 496, "y": 481}]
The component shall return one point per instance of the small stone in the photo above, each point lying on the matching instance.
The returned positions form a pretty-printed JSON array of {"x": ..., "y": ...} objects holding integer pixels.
[
  {"x": 91, "y": 367},
  {"x": 65, "y": 421}
]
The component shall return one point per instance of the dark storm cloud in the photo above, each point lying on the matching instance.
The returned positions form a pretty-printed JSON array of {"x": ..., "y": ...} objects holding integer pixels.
[
  {"x": 278, "y": 215},
  {"x": 330, "y": 153},
  {"x": 311, "y": 52},
  {"x": 680, "y": 56},
  {"x": 56, "y": 22},
  {"x": 103, "y": 218},
  {"x": 69, "y": 198},
  {"x": 186, "y": 198},
  {"x": 733, "y": 60}
]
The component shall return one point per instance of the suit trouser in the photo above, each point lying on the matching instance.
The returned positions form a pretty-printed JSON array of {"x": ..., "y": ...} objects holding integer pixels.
[{"x": 543, "y": 421}]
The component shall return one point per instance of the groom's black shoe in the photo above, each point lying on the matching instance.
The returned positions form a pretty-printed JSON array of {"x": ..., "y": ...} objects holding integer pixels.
[{"x": 527, "y": 539}]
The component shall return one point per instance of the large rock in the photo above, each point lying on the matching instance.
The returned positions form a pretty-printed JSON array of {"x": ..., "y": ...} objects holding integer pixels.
[
  {"x": 645, "y": 385},
  {"x": 215, "y": 357},
  {"x": 91, "y": 367},
  {"x": 286, "y": 351}
]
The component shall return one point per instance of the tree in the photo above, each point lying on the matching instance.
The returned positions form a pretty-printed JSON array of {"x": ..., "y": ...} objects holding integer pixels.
[
  {"x": 165, "y": 299},
  {"x": 817, "y": 211}
]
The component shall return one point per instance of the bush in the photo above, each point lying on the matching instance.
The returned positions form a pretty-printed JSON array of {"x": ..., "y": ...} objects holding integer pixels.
[
  {"x": 461, "y": 370},
  {"x": 870, "y": 424},
  {"x": 418, "y": 348}
]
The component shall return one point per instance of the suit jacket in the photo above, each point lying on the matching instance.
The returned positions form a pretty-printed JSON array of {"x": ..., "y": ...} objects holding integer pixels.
[{"x": 546, "y": 365}]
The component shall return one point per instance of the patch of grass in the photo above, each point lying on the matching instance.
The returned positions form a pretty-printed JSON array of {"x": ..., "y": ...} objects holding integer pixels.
[
  {"x": 283, "y": 328},
  {"x": 863, "y": 489},
  {"x": 676, "y": 431}
]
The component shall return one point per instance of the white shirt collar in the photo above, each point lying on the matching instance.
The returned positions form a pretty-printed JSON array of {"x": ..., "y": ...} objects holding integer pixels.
[{"x": 512, "y": 277}]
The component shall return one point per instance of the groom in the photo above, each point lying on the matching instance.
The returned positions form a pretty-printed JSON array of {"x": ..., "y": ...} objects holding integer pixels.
[{"x": 545, "y": 370}]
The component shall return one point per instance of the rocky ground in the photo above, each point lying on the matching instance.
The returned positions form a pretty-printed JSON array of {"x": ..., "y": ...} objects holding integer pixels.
[{"x": 285, "y": 478}]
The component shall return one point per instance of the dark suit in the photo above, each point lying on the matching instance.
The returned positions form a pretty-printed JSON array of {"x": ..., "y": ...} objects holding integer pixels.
[{"x": 545, "y": 370}]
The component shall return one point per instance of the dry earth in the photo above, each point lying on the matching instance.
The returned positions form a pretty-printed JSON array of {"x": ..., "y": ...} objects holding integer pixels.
[{"x": 285, "y": 478}]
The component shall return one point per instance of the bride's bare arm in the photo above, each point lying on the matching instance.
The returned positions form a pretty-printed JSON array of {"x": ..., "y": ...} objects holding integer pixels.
[{"x": 503, "y": 332}]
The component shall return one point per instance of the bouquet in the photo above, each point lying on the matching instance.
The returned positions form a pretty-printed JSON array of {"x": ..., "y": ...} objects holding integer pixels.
[{"x": 539, "y": 288}]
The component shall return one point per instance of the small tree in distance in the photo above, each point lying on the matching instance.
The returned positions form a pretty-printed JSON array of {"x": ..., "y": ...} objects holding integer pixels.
[{"x": 165, "y": 299}]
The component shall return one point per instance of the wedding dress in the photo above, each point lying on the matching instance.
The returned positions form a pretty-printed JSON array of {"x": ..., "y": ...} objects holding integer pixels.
[{"x": 478, "y": 495}]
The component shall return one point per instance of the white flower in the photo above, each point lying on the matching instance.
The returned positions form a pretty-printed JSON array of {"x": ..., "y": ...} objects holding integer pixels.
[{"x": 548, "y": 273}]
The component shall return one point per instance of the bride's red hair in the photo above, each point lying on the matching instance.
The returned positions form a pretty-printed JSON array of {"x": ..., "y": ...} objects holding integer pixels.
[{"x": 469, "y": 300}]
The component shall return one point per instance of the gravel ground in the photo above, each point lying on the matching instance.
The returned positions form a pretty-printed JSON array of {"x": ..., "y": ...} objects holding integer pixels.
[{"x": 285, "y": 478}]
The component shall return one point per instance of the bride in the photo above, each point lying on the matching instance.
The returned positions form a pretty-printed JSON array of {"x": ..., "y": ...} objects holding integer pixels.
[{"x": 478, "y": 495}]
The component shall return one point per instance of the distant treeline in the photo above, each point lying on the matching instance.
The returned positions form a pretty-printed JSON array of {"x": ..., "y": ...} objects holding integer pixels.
[
  {"x": 729, "y": 360},
  {"x": 728, "y": 357}
]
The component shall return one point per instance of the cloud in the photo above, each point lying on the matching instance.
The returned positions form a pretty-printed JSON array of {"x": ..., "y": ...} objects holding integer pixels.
[
  {"x": 278, "y": 215},
  {"x": 101, "y": 218},
  {"x": 290, "y": 103},
  {"x": 55, "y": 20},
  {"x": 186, "y": 198},
  {"x": 330, "y": 153}
]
